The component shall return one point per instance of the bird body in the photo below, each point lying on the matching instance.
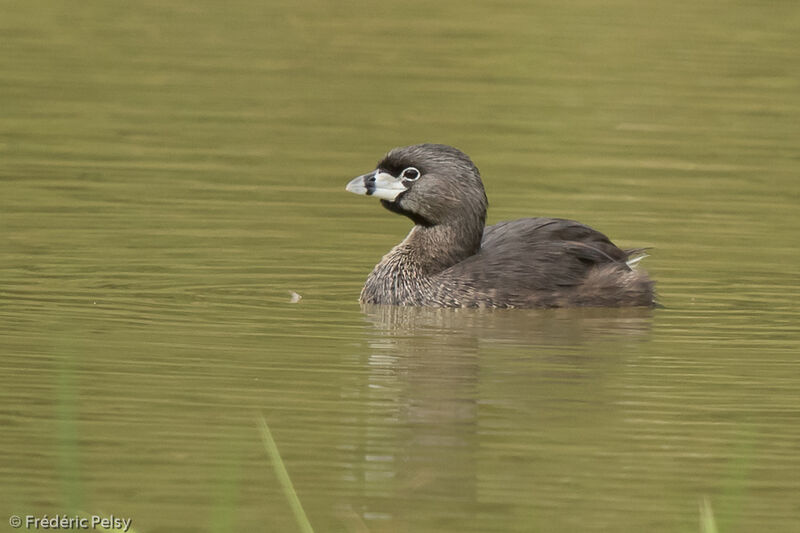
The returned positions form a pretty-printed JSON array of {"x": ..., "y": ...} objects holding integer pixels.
[{"x": 449, "y": 259}]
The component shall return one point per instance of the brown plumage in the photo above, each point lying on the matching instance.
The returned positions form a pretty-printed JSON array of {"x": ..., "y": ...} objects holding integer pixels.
[{"x": 450, "y": 260}]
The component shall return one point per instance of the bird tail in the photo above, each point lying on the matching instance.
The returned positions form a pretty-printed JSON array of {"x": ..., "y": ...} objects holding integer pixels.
[{"x": 635, "y": 256}]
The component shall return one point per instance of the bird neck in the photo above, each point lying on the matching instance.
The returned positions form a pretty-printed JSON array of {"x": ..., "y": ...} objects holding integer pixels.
[
  {"x": 406, "y": 275},
  {"x": 432, "y": 249}
]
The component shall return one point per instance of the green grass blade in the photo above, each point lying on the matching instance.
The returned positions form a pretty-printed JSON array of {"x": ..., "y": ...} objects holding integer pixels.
[
  {"x": 283, "y": 478},
  {"x": 67, "y": 434},
  {"x": 707, "y": 522}
]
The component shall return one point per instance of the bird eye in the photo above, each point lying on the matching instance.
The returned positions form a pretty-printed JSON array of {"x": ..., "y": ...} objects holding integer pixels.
[{"x": 410, "y": 174}]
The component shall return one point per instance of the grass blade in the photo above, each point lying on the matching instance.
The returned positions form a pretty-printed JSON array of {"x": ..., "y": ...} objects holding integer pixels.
[
  {"x": 707, "y": 522},
  {"x": 283, "y": 477}
]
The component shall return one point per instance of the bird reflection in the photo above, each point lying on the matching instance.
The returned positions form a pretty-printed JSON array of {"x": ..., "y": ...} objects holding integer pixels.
[
  {"x": 439, "y": 382},
  {"x": 559, "y": 326}
]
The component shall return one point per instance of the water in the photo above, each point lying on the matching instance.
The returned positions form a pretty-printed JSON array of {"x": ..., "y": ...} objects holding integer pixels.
[{"x": 170, "y": 173}]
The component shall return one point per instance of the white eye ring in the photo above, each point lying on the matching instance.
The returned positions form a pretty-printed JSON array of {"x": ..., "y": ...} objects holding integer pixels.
[{"x": 410, "y": 174}]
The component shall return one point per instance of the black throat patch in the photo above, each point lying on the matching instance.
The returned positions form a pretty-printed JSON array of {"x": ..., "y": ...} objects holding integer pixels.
[{"x": 395, "y": 207}]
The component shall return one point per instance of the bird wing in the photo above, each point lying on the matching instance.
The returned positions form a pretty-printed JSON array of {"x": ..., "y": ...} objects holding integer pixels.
[{"x": 536, "y": 254}]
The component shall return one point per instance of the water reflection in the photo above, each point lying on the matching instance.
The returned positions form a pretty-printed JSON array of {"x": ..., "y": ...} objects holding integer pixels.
[
  {"x": 437, "y": 399},
  {"x": 523, "y": 326}
]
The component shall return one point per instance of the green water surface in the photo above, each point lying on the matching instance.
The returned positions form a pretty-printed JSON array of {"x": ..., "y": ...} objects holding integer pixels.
[{"x": 171, "y": 171}]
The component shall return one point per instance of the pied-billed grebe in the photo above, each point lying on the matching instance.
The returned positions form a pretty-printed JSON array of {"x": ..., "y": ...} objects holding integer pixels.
[{"x": 449, "y": 259}]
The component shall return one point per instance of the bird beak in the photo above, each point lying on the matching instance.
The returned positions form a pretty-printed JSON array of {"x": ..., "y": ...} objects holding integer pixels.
[{"x": 378, "y": 184}]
